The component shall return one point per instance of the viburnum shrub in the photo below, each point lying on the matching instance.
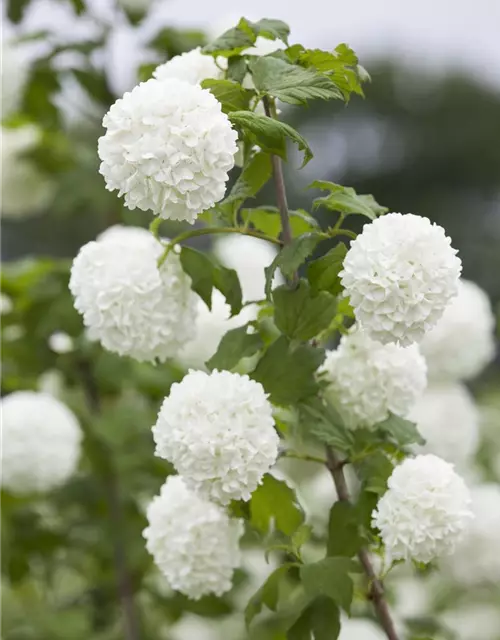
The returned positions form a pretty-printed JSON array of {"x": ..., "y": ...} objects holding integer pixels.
[{"x": 311, "y": 353}]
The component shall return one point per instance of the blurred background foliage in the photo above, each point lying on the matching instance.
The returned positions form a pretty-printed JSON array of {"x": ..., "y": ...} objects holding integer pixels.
[{"x": 420, "y": 143}]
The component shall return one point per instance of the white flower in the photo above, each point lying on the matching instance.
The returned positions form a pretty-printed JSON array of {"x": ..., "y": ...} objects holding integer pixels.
[
  {"x": 193, "y": 627},
  {"x": 40, "y": 442},
  {"x": 6, "y": 304},
  {"x": 61, "y": 342},
  {"x": 400, "y": 274},
  {"x": 248, "y": 257},
  {"x": 25, "y": 190},
  {"x": 447, "y": 418},
  {"x": 168, "y": 148},
  {"x": 211, "y": 326},
  {"x": 193, "y": 541},
  {"x": 123, "y": 232},
  {"x": 263, "y": 47},
  {"x": 51, "y": 382},
  {"x": 218, "y": 431},
  {"x": 127, "y": 303},
  {"x": 15, "y": 71},
  {"x": 477, "y": 560},
  {"x": 192, "y": 67},
  {"x": 462, "y": 343},
  {"x": 367, "y": 379},
  {"x": 425, "y": 512},
  {"x": 360, "y": 629}
]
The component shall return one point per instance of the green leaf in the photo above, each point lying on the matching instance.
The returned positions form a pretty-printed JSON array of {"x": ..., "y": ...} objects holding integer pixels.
[
  {"x": 206, "y": 274},
  {"x": 200, "y": 269},
  {"x": 301, "y": 628},
  {"x": 287, "y": 373},
  {"x": 79, "y": 6},
  {"x": 231, "y": 95},
  {"x": 320, "y": 420},
  {"x": 269, "y": 134},
  {"x": 233, "y": 41},
  {"x": 95, "y": 84},
  {"x": 274, "y": 504},
  {"x": 325, "y": 619},
  {"x": 252, "y": 178},
  {"x": 330, "y": 577},
  {"x": 171, "y": 42},
  {"x": 375, "y": 470},
  {"x": 301, "y": 315},
  {"x": 16, "y": 9},
  {"x": 268, "y": 594},
  {"x": 343, "y": 531},
  {"x": 346, "y": 200},
  {"x": 402, "y": 432},
  {"x": 301, "y": 536},
  {"x": 272, "y": 29},
  {"x": 291, "y": 257},
  {"x": 268, "y": 220},
  {"x": 290, "y": 83},
  {"x": 237, "y": 69},
  {"x": 41, "y": 88},
  {"x": 234, "y": 346},
  {"x": 323, "y": 273}
]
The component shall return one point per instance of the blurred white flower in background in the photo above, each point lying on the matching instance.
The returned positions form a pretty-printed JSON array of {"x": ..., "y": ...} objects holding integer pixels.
[
  {"x": 129, "y": 304},
  {"x": 61, "y": 342},
  {"x": 51, "y": 382},
  {"x": 400, "y": 274},
  {"x": 248, "y": 257},
  {"x": 12, "y": 332},
  {"x": 193, "y": 541},
  {"x": 474, "y": 621},
  {"x": 193, "y": 627},
  {"x": 462, "y": 343},
  {"x": 40, "y": 442},
  {"x": 192, "y": 67},
  {"x": 6, "y": 304},
  {"x": 425, "y": 512},
  {"x": 15, "y": 72},
  {"x": 448, "y": 420},
  {"x": 211, "y": 326},
  {"x": 218, "y": 431},
  {"x": 477, "y": 559},
  {"x": 25, "y": 190},
  {"x": 367, "y": 380},
  {"x": 168, "y": 148}
]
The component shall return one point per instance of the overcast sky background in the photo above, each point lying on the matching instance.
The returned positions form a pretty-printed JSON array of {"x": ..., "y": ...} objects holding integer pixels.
[{"x": 435, "y": 34}]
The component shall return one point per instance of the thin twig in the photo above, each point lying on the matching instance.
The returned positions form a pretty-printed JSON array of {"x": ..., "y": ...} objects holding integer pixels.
[
  {"x": 336, "y": 468},
  {"x": 124, "y": 582}
]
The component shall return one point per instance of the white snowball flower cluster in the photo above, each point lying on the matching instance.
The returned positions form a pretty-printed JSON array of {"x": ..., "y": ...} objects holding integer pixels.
[
  {"x": 218, "y": 431},
  {"x": 448, "y": 420},
  {"x": 474, "y": 621},
  {"x": 462, "y": 343},
  {"x": 211, "y": 326},
  {"x": 25, "y": 190},
  {"x": 400, "y": 275},
  {"x": 477, "y": 560},
  {"x": 360, "y": 629},
  {"x": 40, "y": 442},
  {"x": 168, "y": 148},
  {"x": 15, "y": 70},
  {"x": 127, "y": 303},
  {"x": 192, "y": 67},
  {"x": 367, "y": 379},
  {"x": 425, "y": 512},
  {"x": 248, "y": 257},
  {"x": 193, "y": 541}
]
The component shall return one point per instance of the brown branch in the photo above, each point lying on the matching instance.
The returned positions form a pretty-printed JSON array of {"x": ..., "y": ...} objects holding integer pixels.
[
  {"x": 110, "y": 483},
  {"x": 336, "y": 468}
]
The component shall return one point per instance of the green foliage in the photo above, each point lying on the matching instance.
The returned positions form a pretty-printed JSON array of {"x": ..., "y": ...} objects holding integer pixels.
[
  {"x": 330, "y": 577},
  {"x": 321, "y": 421},
  {"x": 16, "y": 9},
  {"x": 235, "y": 345},
  {"x": 292, "y": 257},
  {"x": 400, "y": 431},
  {"x": 287, "y": 371},
  {"x": 323, "y": 273},
  {"x": 321, "y": 619},
  {"x": 171, "y": 42},
  {"x": 95, "y": 84},
  {"x": 205, "y": 274},
  {"x": 38, "y": 99},
  {"x": 343, "y": 531},
  {"x": 267, "y": 595},
  {"x": 231, "y": 95},
  {"x": 300, "y": 314},
  {"x": 274, "y": 505},
  {"x": 346, "y": 200},
  {"x": 279, "y": 79},
  {"x": 233, "y": 41},
  {"x": 254, "y": 175},
  {"x": 269, "y": 134},
  {"x": 267, "y": 219}
]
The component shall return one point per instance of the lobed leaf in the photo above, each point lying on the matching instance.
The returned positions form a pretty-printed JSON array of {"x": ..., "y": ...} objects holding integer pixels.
[
  {"x": 274, "y": 505},
  {"x": 235, "y": 345}
]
